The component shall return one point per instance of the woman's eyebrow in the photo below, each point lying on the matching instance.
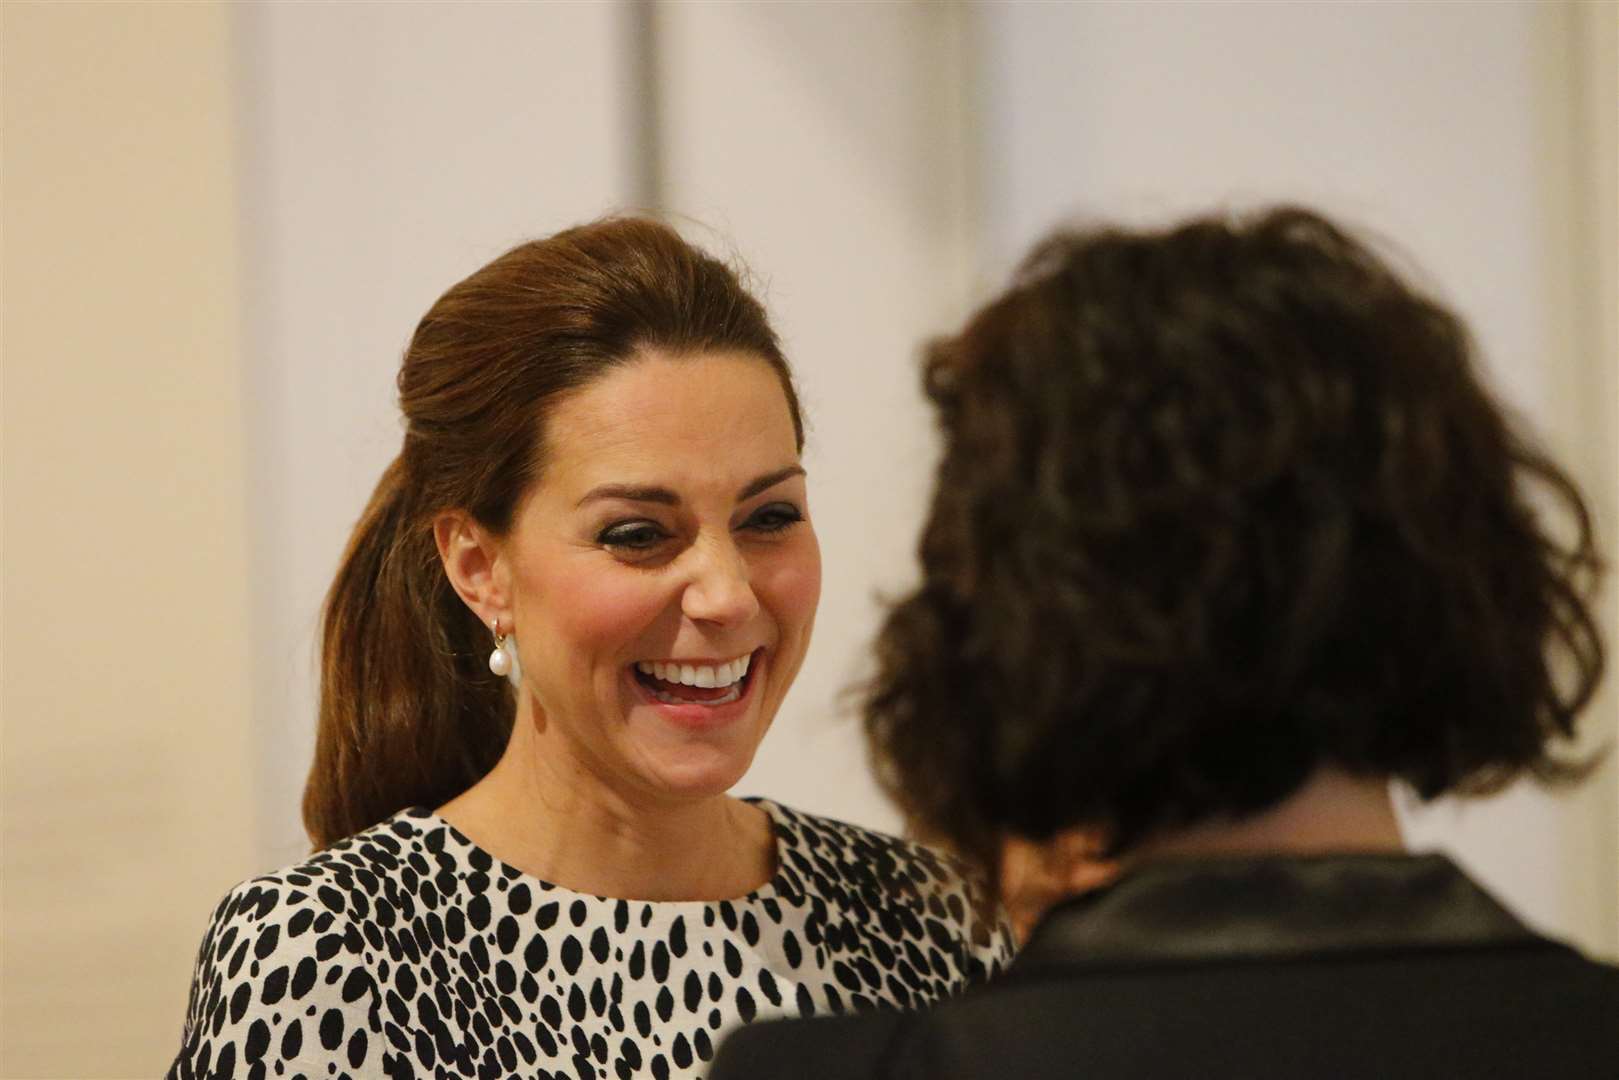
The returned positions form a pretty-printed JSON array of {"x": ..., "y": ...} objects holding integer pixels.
[
  {"x": 768, "y": 481},
  {"x": 631, "y": 493},
  {"x": 665, "y": 497}
]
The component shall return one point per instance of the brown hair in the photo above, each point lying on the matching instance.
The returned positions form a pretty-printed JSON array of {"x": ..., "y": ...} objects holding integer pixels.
[
  {"x": 409, "y": 712},
  {"x": 1219, "y": 505}
]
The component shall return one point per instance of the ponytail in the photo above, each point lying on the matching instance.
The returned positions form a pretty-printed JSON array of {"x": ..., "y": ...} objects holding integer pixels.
[{"x": 409, "y": 716}]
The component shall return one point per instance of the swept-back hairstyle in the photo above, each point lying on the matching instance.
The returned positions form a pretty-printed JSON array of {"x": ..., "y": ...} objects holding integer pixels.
[
  {"x": 1220, "y": 505},
  {"x": 409, "y": 712}
]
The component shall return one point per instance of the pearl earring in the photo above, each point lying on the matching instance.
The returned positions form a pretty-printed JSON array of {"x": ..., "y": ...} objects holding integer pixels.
[{"x": 500, "y": 661}]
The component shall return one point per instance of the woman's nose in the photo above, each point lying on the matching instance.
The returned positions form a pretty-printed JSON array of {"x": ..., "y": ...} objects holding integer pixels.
[{"x": 720, "y": 590}]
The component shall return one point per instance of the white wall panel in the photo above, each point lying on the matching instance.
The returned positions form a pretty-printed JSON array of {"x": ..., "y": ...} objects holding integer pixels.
[{"x": 387, "y": 150}]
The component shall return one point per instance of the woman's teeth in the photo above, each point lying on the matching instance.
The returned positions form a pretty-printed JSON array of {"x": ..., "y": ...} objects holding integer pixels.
[
  {"x": 703, "y": 676},
  {"x": 674, "y": 683},
  {"x": 730, "y": 695}
]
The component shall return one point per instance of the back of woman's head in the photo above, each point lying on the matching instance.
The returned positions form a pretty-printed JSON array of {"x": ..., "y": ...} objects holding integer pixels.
[
  {"x": 409, "y": 711},
  {"x": 1219, "y": 506}
]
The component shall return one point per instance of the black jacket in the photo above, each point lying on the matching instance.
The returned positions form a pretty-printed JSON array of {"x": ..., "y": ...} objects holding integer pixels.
[{"x": 1342, "y": 966}]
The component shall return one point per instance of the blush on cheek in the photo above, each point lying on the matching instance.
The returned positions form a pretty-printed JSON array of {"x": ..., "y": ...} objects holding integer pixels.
[
  {"x": 598, "y": 618},
  {"x": 800, "y": 592},
  {"x": 790, "y": 592},
  {"x": 794, "y": 589}
]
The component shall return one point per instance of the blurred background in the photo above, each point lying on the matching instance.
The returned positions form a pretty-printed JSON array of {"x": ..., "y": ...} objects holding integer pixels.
[{"x": 221, "y": 223}]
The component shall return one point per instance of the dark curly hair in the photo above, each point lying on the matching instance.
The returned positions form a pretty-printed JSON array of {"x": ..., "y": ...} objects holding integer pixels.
[{"x": 1220, "y": 505}]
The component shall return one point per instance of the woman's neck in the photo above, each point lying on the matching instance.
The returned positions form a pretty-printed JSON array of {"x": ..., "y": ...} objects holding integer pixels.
[
  {"x": 542, "y": 812},
  {"x": 1332, "y": 812}
]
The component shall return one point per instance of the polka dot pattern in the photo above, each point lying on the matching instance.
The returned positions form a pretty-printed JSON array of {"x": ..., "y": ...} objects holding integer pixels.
[{"x": 407, "y": 951}]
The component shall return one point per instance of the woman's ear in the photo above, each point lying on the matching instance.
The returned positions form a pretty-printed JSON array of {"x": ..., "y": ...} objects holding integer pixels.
[
  {"x": 1037, "y": 876},
  {"x": 473, "y": 562}
]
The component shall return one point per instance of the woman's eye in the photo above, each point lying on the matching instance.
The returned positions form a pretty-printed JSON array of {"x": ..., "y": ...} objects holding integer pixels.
[
  {"x": 632, "y": 535},
  {"x": 774, "y": 518}
]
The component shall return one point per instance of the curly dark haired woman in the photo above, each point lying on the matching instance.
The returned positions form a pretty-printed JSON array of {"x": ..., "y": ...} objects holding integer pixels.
[{"x": 1227, "y": 534}]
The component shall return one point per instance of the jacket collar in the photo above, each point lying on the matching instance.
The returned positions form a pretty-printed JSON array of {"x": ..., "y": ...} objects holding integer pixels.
[{"x": 1179, "y": 911}]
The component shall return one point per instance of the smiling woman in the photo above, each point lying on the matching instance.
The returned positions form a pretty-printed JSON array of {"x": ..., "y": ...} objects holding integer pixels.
[
  {"x": 561, "y": 629},
  {"x": 670, "y": 531}
]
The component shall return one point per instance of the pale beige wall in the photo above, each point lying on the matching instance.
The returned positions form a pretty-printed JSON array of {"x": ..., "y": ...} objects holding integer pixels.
[
  {"x": 1578, "y": 75},
  {"x": 125, "y": 585},
  {"x": 1595, "y": 37}
]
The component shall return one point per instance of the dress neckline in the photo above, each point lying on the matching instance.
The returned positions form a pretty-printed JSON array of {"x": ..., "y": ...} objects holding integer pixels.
[{"x": 778, "y": 887}]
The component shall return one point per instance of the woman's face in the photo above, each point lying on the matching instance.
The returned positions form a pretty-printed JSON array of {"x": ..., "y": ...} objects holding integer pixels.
[{"x": 664, "y": 573}]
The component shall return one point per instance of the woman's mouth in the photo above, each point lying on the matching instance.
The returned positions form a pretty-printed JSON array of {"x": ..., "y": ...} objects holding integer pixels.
[{"x": 676, "y": 682}]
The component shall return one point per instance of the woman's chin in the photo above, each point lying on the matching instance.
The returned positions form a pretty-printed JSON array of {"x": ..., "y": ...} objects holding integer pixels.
[{"x": 696, "y": 775}]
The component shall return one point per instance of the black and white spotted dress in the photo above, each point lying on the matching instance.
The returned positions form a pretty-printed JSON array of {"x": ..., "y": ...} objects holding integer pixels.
[{"x": 408, "y": 951}]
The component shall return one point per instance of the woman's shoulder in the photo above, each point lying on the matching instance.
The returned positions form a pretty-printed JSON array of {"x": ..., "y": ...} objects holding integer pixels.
[
  {"x": 829, "y": 846},
  {"x": 287, "y": 957},
  {"x": 320, "y": 906},
  {"x": 901, "y": 886},
  {"x": 343, "y": 879}
]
